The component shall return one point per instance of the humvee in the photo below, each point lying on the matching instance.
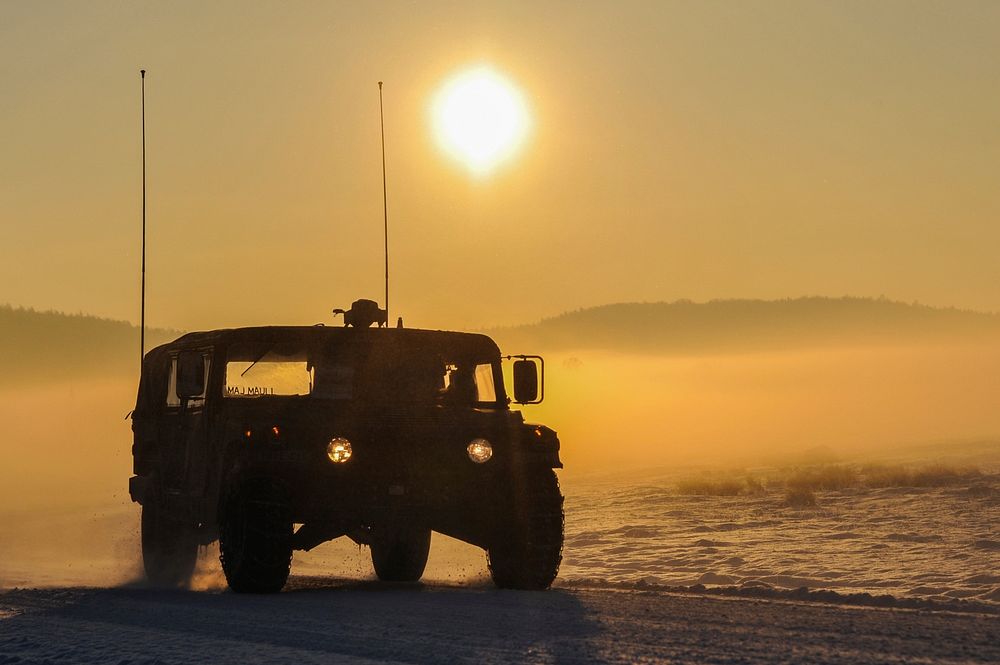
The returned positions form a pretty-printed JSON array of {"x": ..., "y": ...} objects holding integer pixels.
[{"x": 277, "y": 438}]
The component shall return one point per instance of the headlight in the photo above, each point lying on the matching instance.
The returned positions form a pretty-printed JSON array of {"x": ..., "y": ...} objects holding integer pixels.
[
  {"x": 339, "y": 450},
  {"x": 480, "y": 451}
]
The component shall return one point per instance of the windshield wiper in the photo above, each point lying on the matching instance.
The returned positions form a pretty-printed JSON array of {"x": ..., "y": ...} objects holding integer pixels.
[{"x": 266, "y": 351}]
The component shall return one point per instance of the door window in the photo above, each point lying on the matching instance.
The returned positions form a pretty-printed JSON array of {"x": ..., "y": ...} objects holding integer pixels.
[{"x": 173, "y": 400}]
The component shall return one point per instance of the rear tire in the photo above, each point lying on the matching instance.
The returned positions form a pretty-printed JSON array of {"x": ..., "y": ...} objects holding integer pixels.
[
  {"x": 401, "y": 556},
  {"x": 528, "y": 548},
  {"x": 255, "y": 538},
  {"x": 169, "y": 546}
]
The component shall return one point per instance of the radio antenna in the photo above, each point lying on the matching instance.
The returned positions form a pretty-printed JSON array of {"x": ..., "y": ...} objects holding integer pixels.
[
  {"x": 142, "y": 287},
  {"x": 385, "y": 205}
]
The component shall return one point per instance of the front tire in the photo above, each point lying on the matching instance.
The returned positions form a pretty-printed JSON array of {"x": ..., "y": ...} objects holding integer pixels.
[
  {"x": 255, "y": 538},
  {"x": 527, "y": 550},
  {"x": 169, "y": 546},
  {"x": 401, "y": 556}
]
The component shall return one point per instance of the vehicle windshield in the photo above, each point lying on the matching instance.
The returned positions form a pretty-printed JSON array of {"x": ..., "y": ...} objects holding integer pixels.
[
  {"x": 371, "y": 374},
  {"x": 271, "y": 372}
]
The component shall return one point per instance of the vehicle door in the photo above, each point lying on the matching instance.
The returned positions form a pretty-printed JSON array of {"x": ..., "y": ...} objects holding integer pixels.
[{"x": 186, "y": 452}]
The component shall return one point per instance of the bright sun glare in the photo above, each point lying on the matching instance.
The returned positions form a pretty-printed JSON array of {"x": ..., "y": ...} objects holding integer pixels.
[{"x": 480, "y": 119}]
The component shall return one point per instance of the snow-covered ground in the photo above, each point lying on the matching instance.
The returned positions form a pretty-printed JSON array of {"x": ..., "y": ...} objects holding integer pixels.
[
  {"x": 322, "y": 621},
  {"x": 939, "y": 542}
]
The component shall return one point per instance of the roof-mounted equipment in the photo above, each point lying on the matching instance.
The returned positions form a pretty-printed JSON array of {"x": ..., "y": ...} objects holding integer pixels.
[{"x": 363, "y": 313}]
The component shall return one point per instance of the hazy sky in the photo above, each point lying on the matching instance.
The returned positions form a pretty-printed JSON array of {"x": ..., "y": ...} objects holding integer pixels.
[{"x": 679, "y": 150}]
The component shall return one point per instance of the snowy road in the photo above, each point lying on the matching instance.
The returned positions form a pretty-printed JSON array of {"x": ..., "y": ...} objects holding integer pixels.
[{"x": 326, "y": 621}]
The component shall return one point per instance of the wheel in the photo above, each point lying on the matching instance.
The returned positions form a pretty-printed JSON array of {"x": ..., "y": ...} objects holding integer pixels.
[
  {"x": 527, "y": 549},
  {"x": 169, "y": 546},
  {"x": 401, "y": 556},
  {"x": 255, "y": 538}
]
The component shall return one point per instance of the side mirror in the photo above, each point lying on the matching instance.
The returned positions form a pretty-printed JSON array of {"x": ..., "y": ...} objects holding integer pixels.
[
  {"x": 526, "y": 382},
  {"x": 190, "y": 374}
]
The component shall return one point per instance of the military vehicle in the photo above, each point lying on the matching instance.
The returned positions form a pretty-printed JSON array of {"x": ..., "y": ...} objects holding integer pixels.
[{"x": 277, "y": 438}]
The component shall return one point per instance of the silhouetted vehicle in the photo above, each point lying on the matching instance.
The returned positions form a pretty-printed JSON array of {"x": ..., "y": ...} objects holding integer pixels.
[{"x": 277, "y": 438}]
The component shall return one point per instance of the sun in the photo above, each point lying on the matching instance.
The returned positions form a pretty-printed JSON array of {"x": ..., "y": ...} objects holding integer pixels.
[{"x": 480, "y": 119}]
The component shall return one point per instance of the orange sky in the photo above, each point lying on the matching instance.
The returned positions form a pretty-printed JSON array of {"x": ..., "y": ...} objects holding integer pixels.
[{"x": 679, "y": 150}]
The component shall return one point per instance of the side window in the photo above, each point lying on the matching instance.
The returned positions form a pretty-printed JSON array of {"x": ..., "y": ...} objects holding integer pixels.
[
  {"x": 172, "y": 399},
  {"x": 485, "y": 389},
  {"x": 467, "y": 384},
  {"x": 173, "y": 394}
]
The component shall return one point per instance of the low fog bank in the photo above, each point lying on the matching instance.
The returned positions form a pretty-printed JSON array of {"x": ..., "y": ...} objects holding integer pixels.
[
  {"x": 67, "y": 444},
  {"x": 66, "y": 517},
  {"x": 624, "y": 411}
]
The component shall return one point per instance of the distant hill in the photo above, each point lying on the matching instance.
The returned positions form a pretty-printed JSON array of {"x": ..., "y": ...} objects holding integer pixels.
[
  {"x": 44, "y": 346},
  {"x": 720, "y": 326}
]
